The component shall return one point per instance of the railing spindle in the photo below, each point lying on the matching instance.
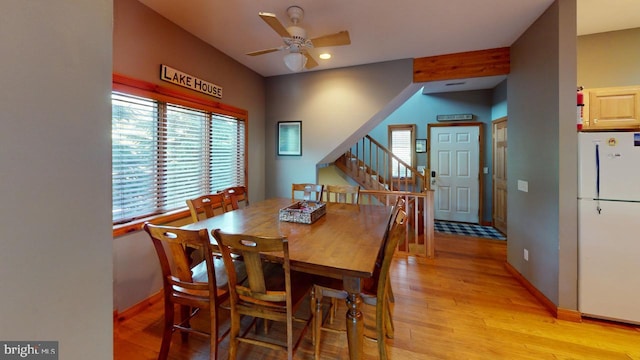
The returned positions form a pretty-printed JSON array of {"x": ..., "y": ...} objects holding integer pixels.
[{"x": 419, "y": 238}]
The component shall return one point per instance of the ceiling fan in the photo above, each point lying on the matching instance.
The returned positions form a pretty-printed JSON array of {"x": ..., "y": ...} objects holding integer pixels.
[{"x": 296, "y": 42}]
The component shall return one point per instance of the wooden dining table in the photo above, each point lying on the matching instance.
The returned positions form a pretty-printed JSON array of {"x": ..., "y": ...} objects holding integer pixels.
[{"x": 343, "y": 244}]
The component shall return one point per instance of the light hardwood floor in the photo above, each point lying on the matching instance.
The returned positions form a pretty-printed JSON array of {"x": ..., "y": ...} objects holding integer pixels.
[{"x": 461, "y": 305}]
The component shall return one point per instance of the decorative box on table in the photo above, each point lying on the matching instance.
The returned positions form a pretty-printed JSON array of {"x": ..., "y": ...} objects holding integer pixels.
[{"x": 304, "y": 212}]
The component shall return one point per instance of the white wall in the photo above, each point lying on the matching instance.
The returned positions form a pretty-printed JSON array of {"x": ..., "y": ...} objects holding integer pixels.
[{"x": 55, "y": 183}]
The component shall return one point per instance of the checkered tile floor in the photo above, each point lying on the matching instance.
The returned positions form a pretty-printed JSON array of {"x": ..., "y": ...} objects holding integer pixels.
[{"x": 468, "y": 230}]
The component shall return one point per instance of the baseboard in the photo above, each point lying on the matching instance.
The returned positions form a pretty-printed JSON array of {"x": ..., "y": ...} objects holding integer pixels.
[
  {"x": 569, "y": 315},
  {"x": 559, "y": 313},
  {"x": 138, "y": 308}
]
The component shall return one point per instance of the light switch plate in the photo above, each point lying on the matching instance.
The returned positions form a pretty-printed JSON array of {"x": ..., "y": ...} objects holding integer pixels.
[{"x": 523, "y": 185}]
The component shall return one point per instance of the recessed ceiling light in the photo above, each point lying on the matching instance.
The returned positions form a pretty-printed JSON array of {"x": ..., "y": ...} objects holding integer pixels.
[{"x": 325, "y": 56}]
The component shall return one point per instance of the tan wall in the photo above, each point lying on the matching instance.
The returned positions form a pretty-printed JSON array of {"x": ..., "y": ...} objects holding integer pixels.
[
  {"x": 142, "y": 41},
  {"x": 609, "y": 59}
]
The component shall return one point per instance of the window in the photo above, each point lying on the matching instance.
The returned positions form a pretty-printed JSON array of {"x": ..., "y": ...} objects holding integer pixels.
[
  {"x": 164, "y": 153},
  {"x": 401, "y": 143}
]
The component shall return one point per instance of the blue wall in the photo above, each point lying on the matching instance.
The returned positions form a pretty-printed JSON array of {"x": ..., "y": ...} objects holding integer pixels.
[
  {"x": 422, "y": 110},
  {"x": 499, "y": 109}
]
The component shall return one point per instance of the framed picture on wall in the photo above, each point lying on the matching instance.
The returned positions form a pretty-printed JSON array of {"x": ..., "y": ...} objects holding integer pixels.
[
  {"x": 421, "y": 145},
  {"x": 289, "y": 138}
]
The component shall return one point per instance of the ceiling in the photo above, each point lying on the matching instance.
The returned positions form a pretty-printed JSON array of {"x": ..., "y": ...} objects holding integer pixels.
[{"x": 380, "y": 32}]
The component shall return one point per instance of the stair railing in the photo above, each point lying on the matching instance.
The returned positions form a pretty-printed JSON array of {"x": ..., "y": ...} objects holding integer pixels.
[
  {"x": 375, "y": 167},
  {"x": 419, "y": 232}
]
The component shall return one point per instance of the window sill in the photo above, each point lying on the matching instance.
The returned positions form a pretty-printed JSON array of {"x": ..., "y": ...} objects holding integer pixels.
[{"x": 123, "y": 229}]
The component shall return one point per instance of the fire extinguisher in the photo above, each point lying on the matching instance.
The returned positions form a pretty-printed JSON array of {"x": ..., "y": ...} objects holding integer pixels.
[{"x": 580, "y": 108}]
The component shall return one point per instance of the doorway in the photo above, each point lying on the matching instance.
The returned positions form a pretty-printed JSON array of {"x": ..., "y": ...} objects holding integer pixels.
[
  {"x": 455, "y": 162},
  {"x": 499, "y": 176}
]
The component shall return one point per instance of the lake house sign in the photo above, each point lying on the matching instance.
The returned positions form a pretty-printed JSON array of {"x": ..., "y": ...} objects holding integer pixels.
[{"x": 190, "y": 82}]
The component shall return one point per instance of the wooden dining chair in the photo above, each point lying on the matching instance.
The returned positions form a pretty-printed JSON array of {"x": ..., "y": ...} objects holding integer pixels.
[
  {"x": 272, "y": 292},
  {"x": 203, "y": 287},
  {"x": 375, "y": 293},
  {"x": 234, "y": 196},
  {"x": 309, "y": 191},
  {"x": 343, "y": 193},
  {"x": 206, "y": 206},
  {"x": 401, "y": 204}
]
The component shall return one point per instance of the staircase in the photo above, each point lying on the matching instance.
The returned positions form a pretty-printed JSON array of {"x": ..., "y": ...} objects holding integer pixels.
[
  {"x": 375, "y": 167},
  {"x": 384, "y": 177}
]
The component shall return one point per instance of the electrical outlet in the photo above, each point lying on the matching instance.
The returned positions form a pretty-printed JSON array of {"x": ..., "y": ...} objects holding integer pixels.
[{"x": 526, "y": 255}]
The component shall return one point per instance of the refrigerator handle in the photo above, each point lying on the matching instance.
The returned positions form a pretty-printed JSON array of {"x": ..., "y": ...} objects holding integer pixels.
[
  {"x": 597, "y": 171},
  {"x": 598, "y": 178}
]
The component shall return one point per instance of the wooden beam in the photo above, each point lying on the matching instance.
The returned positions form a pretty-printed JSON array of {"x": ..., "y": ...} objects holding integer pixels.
[{"x": 470, "y": 64}]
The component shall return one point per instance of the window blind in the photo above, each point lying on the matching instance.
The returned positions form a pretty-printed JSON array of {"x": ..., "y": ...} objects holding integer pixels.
[
  {"x": 163, "y": 154},
  {"x": 401, "y": 147}
]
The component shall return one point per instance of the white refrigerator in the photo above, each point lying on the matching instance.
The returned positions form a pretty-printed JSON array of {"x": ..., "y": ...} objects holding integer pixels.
[{"x": 609, "y": 225}]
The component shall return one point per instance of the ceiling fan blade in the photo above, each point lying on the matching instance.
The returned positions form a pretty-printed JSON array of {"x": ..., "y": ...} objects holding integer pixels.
[
  {"x": 275, "y": 24},
  {"x": 311, "y": 62},
  {"x": 337, "y": 39},
  {"x": 265, "y": 51}
]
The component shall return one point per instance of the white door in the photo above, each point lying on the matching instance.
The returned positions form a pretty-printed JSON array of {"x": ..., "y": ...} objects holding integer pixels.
[{"x": 455, "y": 159}]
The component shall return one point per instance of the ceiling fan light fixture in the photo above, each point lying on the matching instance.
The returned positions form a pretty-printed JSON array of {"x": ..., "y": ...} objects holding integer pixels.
[
  {"x": 296, "y": 44},
  {"x": 295, "y": 61}
]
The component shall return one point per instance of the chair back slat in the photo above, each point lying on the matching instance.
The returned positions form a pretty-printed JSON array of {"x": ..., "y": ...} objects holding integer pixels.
[
  {"x": 177, "y": 242},
  {"x": 309, "y": 191},
  {"x": 235, "y": 195},
  {"x": 206, "y": 206},
  {"x": 251, "y": 247},
  {"x": 343, "y": 193}
]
